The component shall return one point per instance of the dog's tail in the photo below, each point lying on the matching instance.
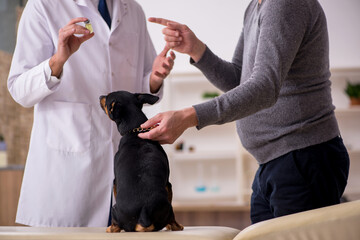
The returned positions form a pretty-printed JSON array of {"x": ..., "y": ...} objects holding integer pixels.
[
  {"x": 154, "y": 217},
  {"x": 145, "y": 223}
]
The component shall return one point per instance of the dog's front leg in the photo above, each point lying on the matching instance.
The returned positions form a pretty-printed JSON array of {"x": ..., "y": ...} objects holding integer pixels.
[{"x": 172, "y": 225}]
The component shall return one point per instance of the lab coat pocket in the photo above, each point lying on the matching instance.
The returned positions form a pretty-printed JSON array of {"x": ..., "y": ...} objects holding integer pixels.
[{"x": 69, "y": 127}]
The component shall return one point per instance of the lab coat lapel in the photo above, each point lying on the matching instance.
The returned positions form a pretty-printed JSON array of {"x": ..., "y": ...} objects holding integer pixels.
[
  {"x": 83, "y": 2},
  {"x": 86, "y": 3},
  {"x": 120, "y": 9}
]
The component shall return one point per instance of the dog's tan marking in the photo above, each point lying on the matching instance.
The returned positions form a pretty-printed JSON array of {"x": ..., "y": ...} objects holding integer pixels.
[
  {"x": 114, "y": 189},
  {"x": 102, "y": 102},
  {"x": 113, "y": 228},
  {"x": 112, "y": 107},
  {"x": 174, "y": 226},
  {"x": 103, "y": 106},
  {"x": 140, "y": 228}
]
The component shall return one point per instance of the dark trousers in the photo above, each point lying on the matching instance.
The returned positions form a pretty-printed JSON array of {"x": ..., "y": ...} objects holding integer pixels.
[{"x": 301, "y": 180}]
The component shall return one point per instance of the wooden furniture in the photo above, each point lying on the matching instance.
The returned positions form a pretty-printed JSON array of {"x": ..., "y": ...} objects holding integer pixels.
[{"x": 10, "y": 183}]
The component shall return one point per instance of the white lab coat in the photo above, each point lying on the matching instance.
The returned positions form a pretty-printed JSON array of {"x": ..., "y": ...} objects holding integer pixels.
[{"x": 69, "y": 170}]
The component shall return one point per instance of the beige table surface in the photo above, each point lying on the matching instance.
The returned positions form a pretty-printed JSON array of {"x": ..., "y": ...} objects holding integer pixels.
[{"x": 189, "y": 233}]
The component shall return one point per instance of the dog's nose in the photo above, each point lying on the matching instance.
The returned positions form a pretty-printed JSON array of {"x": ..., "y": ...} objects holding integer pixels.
[{"x": 101, "y": 97}]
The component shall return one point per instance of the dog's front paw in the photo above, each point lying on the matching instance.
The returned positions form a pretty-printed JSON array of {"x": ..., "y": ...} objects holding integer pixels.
[{"x": 113, "y": 228}]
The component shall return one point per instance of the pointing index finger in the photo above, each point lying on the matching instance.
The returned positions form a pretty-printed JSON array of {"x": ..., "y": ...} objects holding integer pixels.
[{"x": 161, "y": 21}]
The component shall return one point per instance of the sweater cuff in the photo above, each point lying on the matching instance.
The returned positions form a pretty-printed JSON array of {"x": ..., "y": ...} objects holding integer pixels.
[
  {"x": 205, "y": 113},
  {"x": 204, "y": 60}
]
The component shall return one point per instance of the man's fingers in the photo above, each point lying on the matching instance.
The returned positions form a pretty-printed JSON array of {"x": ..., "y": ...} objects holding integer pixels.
[
  {"x": 86, "y": 37},
  {"x": 81, "y": 30},
  {"x": 179, "y": 26},
  {"x": 173, "y": 55},
  {"x": 173, "y": 44},
  {"x": 151, "y": 122},
  {"x": 160, "y": 75},
  {"x": 74, "y": 29},
  {"x": 168, "y": 23},
  {"x": 168, "y": 66},
  {"x": 66, "y": 32},
  {"x": 171, "y": 33},
  {"x": 164, "y": 51},
  {"x": 77, "y": 20},
  {"x": 172, "y": 39},
  {"x": 161, "y": 21},
  {"x": 152, "y": 134}
]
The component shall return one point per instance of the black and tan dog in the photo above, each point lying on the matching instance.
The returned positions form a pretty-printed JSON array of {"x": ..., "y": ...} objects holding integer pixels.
[{"x": 142, "y": 189}]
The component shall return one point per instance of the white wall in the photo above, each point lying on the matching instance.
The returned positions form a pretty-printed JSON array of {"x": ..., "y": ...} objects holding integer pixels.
[
  {"x": 219, "y": 22},
  {"x": 343, "y": 18}
]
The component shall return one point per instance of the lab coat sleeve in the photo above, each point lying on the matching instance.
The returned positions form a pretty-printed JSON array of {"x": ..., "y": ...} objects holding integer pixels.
[{"x": 30, "y": 79}]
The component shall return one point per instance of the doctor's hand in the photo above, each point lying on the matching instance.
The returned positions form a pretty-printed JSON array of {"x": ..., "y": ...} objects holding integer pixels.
[
  {"x": 180, "y": 38},
  {"x": 162, "y": 67},
  {"x": 170, "y": 125},
  {"x": 68, "y": 43}
]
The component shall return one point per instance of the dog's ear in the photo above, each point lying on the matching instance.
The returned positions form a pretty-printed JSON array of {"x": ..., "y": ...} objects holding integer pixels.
[{"x": 146, "y": 98}]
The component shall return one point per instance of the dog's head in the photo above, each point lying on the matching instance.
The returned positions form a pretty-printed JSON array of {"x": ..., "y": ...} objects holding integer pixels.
[{"x": 124, "y": 108}]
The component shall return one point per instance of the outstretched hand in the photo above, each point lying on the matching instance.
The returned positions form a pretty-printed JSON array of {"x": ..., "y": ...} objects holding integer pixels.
[
  {"x": 170, "y": 125},
  {"x": 180, "y": 38},
  {"x": 162, "y": 67}
]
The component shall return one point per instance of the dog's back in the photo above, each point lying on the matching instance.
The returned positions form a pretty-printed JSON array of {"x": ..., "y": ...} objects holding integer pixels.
[{"x": 141, "y": 167}]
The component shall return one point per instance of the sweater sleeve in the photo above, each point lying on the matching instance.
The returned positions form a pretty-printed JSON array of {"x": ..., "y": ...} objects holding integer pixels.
[
  {"x": 222, "y": 74},
  {"x": 281, "y": 26}
]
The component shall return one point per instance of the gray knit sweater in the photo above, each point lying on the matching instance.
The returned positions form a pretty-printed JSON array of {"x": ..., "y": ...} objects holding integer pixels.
[{"x": 277, "y": 86}]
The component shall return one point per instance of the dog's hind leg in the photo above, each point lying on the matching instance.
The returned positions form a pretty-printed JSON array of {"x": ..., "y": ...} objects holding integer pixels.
[
  {"x": 169, "y": 191},
  {"x": 173, "y": 225}
]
